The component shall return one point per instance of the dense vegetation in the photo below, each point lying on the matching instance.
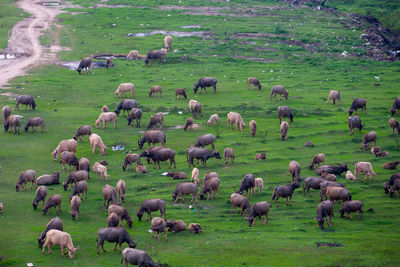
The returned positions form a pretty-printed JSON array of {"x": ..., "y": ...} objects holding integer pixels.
[{"x": 298, "y": 48}]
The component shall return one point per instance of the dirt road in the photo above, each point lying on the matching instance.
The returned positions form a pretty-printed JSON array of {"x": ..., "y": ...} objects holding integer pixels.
[{"x": 24, "y": 42}]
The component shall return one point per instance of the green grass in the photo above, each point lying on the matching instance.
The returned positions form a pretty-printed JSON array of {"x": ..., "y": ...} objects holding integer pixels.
[{"x": 290, "y": 237}]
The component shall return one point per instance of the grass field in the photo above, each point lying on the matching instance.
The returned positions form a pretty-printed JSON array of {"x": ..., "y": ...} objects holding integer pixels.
[{"x": 67, "y": 101}]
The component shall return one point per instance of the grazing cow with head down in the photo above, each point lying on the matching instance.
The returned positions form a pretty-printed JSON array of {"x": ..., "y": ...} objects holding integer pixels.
[
  {"x": 258, "y": 209},
  {"x": 180, "y": 92},
  {"x": 394, "y": 124},
  {"x": 352, "y": 206},
  {"x": 354, "y": 122},
  {"x": 85, "y": 63},
  {"x": 25, "y": 100},
  {"x": 254, "y": 82},
  {"x": 55, "y": 223},
  {"x": 234, "y": 118},
  {"x": 135, "y": 114},
  {"x": 205, "y": 82},
  {"x": 334, "y": 96},
  {"x": 153, "y": 55},
  {"x": 278, "y": 90},
  {"x": 34, "y": 122},
  {"x": 396, "y": 105},
  {"x": 118, "y": 235},
  {"x": 150, "y": 205},
  {"x": 62, "y": 239},
  {"x": 284, "y": 112},
  {"x": 284, "y": 191},
  {"x": 201, "y": 153},
  {"x": 324, "y": 210},
  {"x": 137, "y": 257},
  {"x": 126, "y": 105},
  {"x": 358, "y": 103}
]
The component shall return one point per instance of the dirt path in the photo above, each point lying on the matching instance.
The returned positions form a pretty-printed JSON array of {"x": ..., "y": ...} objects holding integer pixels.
[{"x": 24, "y": 42}]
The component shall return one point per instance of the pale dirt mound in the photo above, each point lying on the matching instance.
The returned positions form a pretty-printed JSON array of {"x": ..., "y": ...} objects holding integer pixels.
[{"x": 182, "y": 126}]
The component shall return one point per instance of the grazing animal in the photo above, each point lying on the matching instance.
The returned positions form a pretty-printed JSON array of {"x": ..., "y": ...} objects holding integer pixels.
[
  {"x": 317, "y": 159},
  {"x": 14, "y": 122},
  {"x": 324, "y": 210},
  {"x": 375, "y": 149},
  {"x": 85, "y": 63},
  {"x": 195, "y": 107},
  {"x": 183, "y": 189},
  {"x": 70, "y": 159},
  {"x": 189, "y": 123},
  {"x": 106, "y": 117},
  {"x": 25, "y": 100},
  {"x": 48, "y": 179},
  {"x": 154, "y": 54},
  {"x": 129, "y": 159},
  {"x": 132, "y": 55},
  {"x": 201, "y": 153},
  {"x": 79, "y": 188},
  {"x": 122, "y": 214},
  {"x": 195, "y": 228},
  {"x": 158, "y": 226},
  {"x": 253, "y": 128},
  {"x": 228, "y": 154},
  {"x": 65, "y": 145},
  {"x": 284, "y": 129},
  {"x": 152, "y": 137},
  {"x": 195, "y": 176},
  {"x": 364, "y": 167},
  {"x": 126, "y": 105},
  {"x": 96, "y": 142},
  {"x": 123, "y": 88},
  {"x": 84, "y": 165},
  {"x": 135, "y": 114},
  {"x": 261, "y": 156},
  {"x": 52, "y": 201},
  {"x": 75, "y": 177},
  {"x": 156, "y": 120},
  {"x": 335, "y": 193},
  {"x": 118, "y": 235},
  {"x": 258, "y": 209},
  {"x": 396, "y": 105},
  {"x": 395, "y": 187},
  {"x": 105, "y": 108},
  {"x": 112, "y": 220},
  {"x": 162, "y": 154},
  {"x": 137, "y": 257},
  {"x": 334, "y": 96},
  {"x": 337, "y": 170},
  {"x": 109, "y": 195},
  {"x": 140, "y": 168},
  {"x": 34, "y": 122},
  {"x": 394, "y": 124},
  {"x": 391, "y": 165},
  {"x": 208, "y": 176},
  {"x": 55, "y": 223},
  {"x": 240, "y": 201},
  {"x": 254, "y": 82},
  {"x": 62, "y": 239},
  {"x": 121, "y": 189},
  {"x": 382, "y": 154},
  {"x": 311, "y": 182},
  {"x": 213, "y": 120},
  {"x": 358, "y": 103},
  {"x": 83, "y": 130},
  {"x": 100, "y": 170},
  {"x": 211, "y": 185},
  {"x": 284, "y": 191},
  {"x": 294, "y": 169},
  {"x": 6, "y": 111},
  {"x": 150, "y": 205},
  {"x": 155, "y": 90},
  {"x": 391, "y": 181},
  {"x": 180, "y": 92},
  {"x": 328, "y": 176},
  {"x": 234, "y": 118},
  {"x": 350, "y": 176},
  {"x": 41, "y": 194},
  {"x": 204, "y": 140},
  {"x": 352, "y": 206},
  {"x": 248, "y": 183},
  {"x": 205, "y": 82},
  {"x": 167, "y": 42},
  {"x": 259, "y": 183},
  {"x": 109, "y": 63},
  {"x": 177, "y": 175},
  {"x": 354, "y": 122},
  {"x": 278, "y": 90},
  {"x": 324, "y": 185},
  {"x": 284, "y": 112},
  {"x": 175, "y": 226},
  {"x": 24, "y": 178},
  {"x": 75, "y": 205}
]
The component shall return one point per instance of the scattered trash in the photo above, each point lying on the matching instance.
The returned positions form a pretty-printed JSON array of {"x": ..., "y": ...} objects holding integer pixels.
[
  {"x": 29, "y": 264},
  {"x": 150, "y": 231},
  {"x": 118, "y": 148},
  {"x": 190, "y": 206},
  {"x": 180, "y": 112},
  {"x": 130, "y": 34},
  {"x": 164, "y": 173}
]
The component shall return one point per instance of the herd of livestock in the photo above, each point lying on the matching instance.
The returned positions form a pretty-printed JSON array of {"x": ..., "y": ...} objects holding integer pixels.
[{"x": 331, "y": 191}]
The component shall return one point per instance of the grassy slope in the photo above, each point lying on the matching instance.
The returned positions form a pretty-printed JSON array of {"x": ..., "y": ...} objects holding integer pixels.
[
  {"x": 289, "y": 238},
  {"x": 9, "y": 16}
]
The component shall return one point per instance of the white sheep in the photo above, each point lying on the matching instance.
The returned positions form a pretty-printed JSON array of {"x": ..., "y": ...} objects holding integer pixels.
[
  {"x": 65, "y": 145},
  {"x": 100, "y": 170},
  {"x": 364, "y": 167},
  {"x": 125, "y": 87},
  {"x": 107, "y": 117},
  {"x": 95, "y": 141},
  {"x": 62, "y": 239},
  {"x": 259, "y": 182},
  {"x": 213, "y": 120}
]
